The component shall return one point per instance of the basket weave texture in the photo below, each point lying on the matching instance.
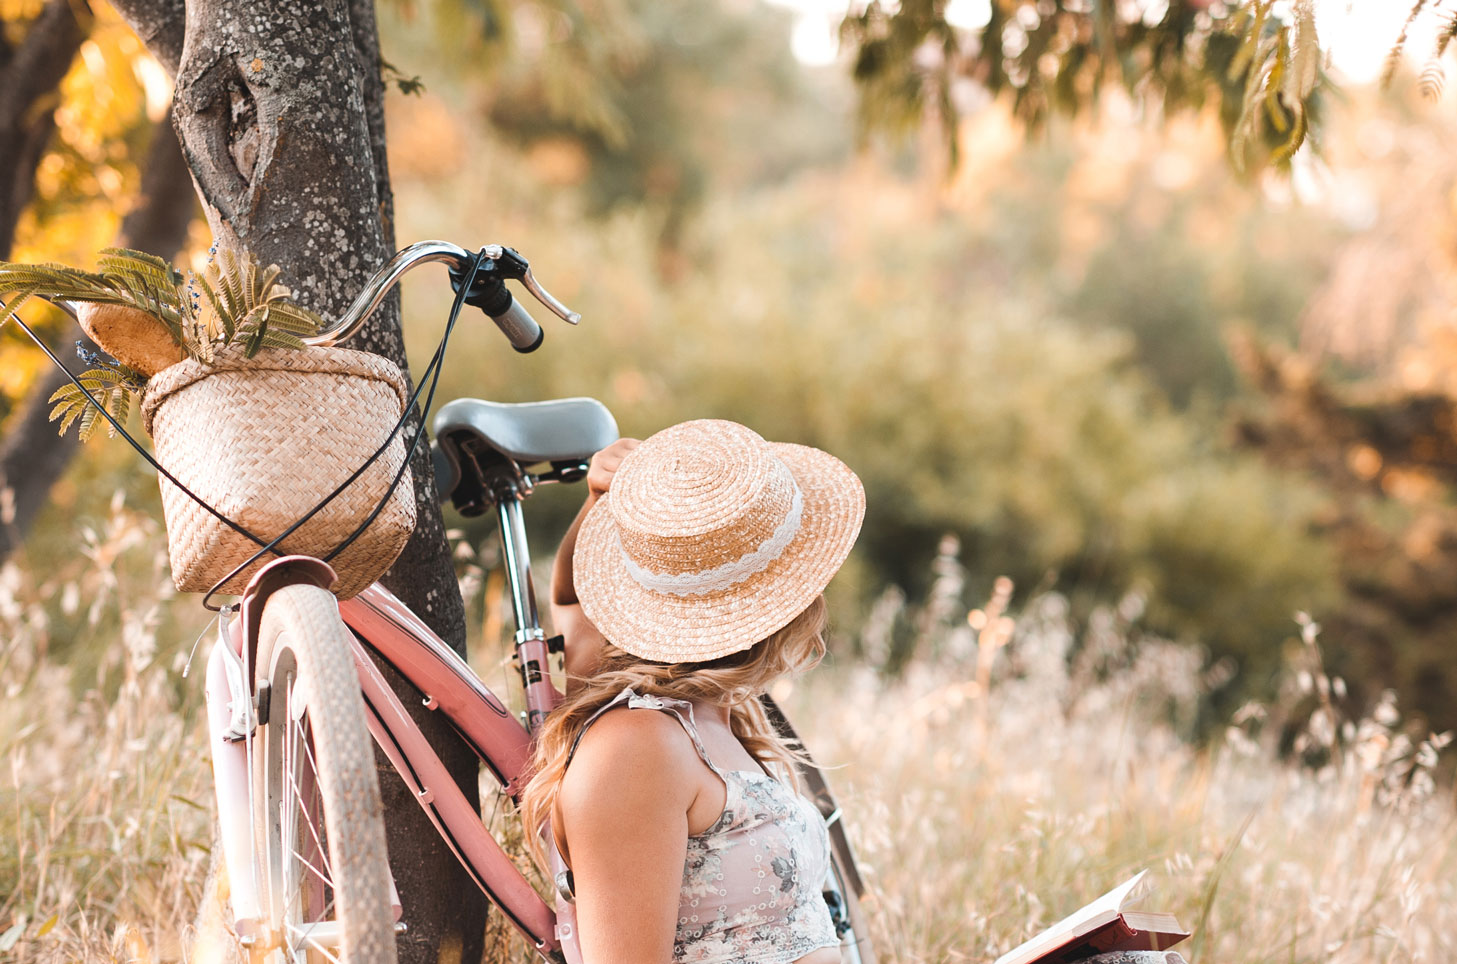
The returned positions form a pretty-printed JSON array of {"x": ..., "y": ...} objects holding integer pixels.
[{"x": 263, "y": 440}]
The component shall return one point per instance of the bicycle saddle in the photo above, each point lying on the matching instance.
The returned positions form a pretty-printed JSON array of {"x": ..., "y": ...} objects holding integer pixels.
[{"x": 561, "y": 430}]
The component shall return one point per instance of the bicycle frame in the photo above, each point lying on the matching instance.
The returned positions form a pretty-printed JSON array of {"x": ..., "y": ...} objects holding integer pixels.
[{"x": 386, "y": 629}]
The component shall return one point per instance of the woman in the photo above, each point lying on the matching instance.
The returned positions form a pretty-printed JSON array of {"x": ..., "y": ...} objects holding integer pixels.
[{"x": 690, "y": 581}]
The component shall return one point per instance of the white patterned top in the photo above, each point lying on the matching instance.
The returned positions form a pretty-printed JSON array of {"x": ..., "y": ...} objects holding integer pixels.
[{"x": 752, "y": 881}]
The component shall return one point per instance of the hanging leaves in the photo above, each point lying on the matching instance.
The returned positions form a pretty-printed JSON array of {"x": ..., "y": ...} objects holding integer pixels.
[
  {"x": 1258, "y": 62},
  {"x": 1279, "y": 66}
]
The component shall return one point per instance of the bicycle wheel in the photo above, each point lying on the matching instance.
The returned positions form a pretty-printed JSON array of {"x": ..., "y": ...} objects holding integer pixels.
[
  {"x": 841, "y": 889},
  {"x": 323, "y": 873}
]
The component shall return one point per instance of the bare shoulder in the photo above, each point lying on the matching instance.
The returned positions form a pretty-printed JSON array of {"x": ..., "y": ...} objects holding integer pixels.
[{"x": 629, "y": 754}]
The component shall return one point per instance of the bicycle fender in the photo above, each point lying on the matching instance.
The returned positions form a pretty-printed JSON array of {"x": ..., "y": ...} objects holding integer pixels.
[{"x": 287, "y": 571}]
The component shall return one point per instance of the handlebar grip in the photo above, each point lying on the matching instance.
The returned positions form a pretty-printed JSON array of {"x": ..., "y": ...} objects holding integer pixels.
[
  {"x": 491, "y": 296},
  {"x": 519, "y": 327}
]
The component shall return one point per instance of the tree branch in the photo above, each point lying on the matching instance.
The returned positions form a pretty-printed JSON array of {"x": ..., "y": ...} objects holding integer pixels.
[
  {"x": 42, "y": 59},
  {"x": 160, "y": 25}
]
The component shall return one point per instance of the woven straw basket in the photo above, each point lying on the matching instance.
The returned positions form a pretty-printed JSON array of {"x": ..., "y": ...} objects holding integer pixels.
[{"x": 265, "y": 439}]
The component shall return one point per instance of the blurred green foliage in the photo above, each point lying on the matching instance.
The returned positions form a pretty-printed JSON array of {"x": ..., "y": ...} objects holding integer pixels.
[
  {"x": 989, "y": 370},
  {"x": 1028, "y": 353}
]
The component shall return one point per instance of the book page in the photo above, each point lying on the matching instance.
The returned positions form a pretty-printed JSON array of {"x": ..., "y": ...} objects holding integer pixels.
[{"x": 1103, "y": 909}]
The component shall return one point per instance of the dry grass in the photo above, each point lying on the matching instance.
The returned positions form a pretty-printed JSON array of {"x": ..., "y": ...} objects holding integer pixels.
[
  {"x": 104, "y": 815},
  {"x": 1013, "y": 771},
  {"x": 985, "y": 816}
]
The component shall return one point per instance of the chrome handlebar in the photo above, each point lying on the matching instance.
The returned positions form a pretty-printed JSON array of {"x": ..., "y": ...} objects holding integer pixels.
[{"x": 382, "y": 281}]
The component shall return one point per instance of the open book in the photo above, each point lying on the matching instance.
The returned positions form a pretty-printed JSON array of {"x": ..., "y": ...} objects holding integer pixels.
[{"x": 1102, "y": 926}]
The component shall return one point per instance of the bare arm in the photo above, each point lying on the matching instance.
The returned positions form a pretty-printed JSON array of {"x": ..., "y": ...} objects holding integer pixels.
[
  {"x": 624, "y": 814},
  {"x": 583, "y": 641}
]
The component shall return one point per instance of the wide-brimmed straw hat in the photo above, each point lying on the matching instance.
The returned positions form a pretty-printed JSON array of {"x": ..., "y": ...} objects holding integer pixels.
[{"x": 712, "y": 539}]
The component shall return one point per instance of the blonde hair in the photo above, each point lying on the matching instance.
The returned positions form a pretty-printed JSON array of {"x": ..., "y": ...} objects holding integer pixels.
[{"x": 734, "y": 681}]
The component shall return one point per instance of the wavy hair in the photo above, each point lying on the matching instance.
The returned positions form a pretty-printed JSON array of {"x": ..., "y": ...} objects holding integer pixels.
[{"x": 734, "y": 681}]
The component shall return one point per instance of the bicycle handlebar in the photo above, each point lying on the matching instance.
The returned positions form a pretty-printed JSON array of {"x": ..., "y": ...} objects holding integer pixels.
[{"x": 487, "y": 291}]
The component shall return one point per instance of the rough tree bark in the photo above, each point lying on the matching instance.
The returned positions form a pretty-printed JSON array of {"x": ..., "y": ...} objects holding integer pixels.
[
  {"x": 32, "y": 455},
  {"x": 279, "y": 108}
]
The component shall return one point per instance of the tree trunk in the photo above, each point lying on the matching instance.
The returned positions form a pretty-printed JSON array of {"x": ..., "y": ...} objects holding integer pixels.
[
  {"x": 32, "y": 455},
  {"x": 279, "y": 108},
  {"x": 30, "y": 79}
]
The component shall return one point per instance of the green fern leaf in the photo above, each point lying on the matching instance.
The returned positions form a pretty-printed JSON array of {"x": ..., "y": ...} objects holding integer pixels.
[
  {"x": 72, "y": 401},
  {"x": 273, "y": 338},
  {"x": 220, "y": 310},
  {"x": 87, "y": 428},
  {"x": 18, "y": 299}
]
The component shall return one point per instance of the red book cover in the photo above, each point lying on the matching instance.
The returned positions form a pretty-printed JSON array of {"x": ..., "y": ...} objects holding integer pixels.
[{"x": 1102, "y": 926}]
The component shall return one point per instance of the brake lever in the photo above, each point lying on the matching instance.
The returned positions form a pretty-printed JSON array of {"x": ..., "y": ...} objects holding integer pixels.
[
  {"x": 545, "y": 297},
  {"x": 509, "y": 263}
]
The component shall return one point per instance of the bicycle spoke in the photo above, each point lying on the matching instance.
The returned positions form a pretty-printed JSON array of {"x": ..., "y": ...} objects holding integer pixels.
[
  {"x": 297, "y": 736},
  {"x": 313, "y": 830},
  {"x": 316, "y": 871},
  {"x": 304, "y": 943}
]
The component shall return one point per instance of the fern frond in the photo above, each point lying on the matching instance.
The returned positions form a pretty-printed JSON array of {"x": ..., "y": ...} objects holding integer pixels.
[
  {"x": 267, "y": 283},
  {"x": 294, "y": 319},
  {"x": 1249, "y": 49},
  {"x": 87, "y": 428},
  {"x": 225, "y": 271},
  {"x": 1247, "y": 125},
  {"x": 130, "y": 260},
  {"x": 1274, "y": 82},
  {"x": 1433, "y": 80},
  {"x": 1304, "y": 67},
  {"x": 72, "y": 401},
  {"x": 110, "y": 386},
  {"x": 56, "y": 281},
  {"x": 18, "y": 299},
  {"x": 273, "y": 338},
  {"x": 1393, "y": 56},
  {"x": 1298, "y": 130},
  {"x": 1449, "y": 30},
  {"x": 233, "y": 301}
]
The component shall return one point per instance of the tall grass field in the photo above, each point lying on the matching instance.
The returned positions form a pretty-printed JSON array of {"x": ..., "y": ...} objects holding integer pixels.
[{"x": 1017, "y": 767}]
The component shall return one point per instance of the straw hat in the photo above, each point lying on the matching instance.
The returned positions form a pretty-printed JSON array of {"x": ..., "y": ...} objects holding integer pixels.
[{"x": 711, "y": 539}]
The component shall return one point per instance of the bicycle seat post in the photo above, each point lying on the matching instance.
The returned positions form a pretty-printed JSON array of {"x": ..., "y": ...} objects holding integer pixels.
[{"x": 507, "y": 491}]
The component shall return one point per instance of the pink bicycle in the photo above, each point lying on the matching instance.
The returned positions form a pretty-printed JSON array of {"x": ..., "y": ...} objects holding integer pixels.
[{"x": 293, "y": 687}]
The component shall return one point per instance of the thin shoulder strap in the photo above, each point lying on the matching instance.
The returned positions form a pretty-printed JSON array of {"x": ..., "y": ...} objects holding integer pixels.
[
  {"x": 676, "y": 708},
  {"x": 617, "y": 700}
]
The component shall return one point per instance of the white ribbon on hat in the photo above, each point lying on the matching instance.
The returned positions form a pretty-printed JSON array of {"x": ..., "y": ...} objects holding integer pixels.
[{"x": 730, "y": 573}]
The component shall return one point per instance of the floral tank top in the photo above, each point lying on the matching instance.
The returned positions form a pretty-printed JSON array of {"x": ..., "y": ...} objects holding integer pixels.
[{"x": 752, "y": 882}]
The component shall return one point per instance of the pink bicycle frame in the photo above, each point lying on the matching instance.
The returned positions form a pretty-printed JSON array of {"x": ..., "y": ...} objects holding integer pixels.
[
  {"x": 399, "y": 637},
  {"x": 385, "y": 628}
]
